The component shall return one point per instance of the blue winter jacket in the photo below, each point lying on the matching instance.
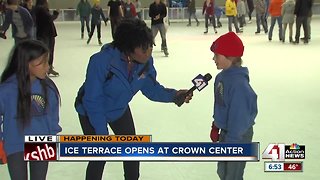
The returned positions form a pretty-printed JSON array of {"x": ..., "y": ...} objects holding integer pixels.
[
  {"x": 44, "y": 121},
  {"x": 26, "y": 18},
  {"x": 235, "y": 105},
  {"x": 109, "y": 87}
]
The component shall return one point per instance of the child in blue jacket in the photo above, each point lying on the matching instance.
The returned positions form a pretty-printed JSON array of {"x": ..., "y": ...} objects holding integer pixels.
[
  {"x": 235, "y": 103},
  {"x": 114, "y": 76},
  {"x": 29, "y": 105}
]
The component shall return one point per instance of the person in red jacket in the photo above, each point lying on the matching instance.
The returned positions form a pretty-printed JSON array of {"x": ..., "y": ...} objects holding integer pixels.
[
  {"x": 275, "y": 13},
  {"x": 208, "y": 12},
  {"x": 129, "y": 10}
]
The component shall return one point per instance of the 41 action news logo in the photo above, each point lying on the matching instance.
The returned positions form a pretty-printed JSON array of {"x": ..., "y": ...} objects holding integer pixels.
[{"x": 280, "y": 152}]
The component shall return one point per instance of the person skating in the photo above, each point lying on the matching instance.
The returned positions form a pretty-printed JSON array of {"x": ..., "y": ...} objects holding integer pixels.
[
  {"x": 96, "y": 13},
  {"x": 208, "y": 12},
  {"x": 192, "y": 12},
  {"x": 157, "y": 11},
  {"x": 83, "y": 10},
  {"x": 46, "y": 30}
]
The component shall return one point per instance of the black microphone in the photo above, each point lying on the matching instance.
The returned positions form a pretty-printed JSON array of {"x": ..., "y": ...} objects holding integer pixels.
[{"x": 199, "y": 82}]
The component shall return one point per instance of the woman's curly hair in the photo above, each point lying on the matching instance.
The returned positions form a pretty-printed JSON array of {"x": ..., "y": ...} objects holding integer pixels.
[{"x": 132, "y": 33}]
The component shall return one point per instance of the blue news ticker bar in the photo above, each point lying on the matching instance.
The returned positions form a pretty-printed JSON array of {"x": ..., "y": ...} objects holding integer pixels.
[{"x": 153, "y": 149}]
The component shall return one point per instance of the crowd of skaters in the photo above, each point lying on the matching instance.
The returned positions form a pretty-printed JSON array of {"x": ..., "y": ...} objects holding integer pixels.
[
  {"x": 118, "y": 10},
  {"x": 35, "y": 21},
  {"x": 31, "y": 21},
  {"x": 282, "y": 12}
]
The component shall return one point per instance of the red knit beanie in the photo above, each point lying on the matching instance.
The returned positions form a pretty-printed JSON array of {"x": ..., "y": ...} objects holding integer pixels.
[{"x": 229, "y": 45}]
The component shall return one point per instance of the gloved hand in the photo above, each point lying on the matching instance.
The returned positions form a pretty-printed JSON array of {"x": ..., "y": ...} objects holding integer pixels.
[
  {"x": 181, "y": 97},
  {"x": 3, "y": 156},
  {"x": 56, "y": 12},
  {"x": 3, "y": 35},
  {"x": 214, "y": 134}
]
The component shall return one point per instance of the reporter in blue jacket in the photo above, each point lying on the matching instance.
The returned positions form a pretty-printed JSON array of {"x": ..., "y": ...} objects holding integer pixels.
[{"x": 114, "y": 76}]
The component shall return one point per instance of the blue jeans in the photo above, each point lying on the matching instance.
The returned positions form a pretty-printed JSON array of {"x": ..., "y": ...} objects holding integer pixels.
[
  {"x": 160, "y": 27},
  {"x": 233, "y": 170},
  {"x": 194, "y": 16},
  {"x": 234, "y": 20},
  {"x": 273, "y": 22},
  {"x": 261, "y": 19}
]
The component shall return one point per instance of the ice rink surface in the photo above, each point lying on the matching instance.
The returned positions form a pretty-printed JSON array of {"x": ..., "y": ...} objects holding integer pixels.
[{"x": 285, "y": 77}]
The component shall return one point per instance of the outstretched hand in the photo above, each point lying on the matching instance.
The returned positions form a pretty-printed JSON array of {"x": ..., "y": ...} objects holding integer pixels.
[{"x": 188, "y": 97}]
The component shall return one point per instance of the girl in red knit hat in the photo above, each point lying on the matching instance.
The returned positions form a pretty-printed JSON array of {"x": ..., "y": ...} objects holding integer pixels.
[{"x": 235, "y": 102}]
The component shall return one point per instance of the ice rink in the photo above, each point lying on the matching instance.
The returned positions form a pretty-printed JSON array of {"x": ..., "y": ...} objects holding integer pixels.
[{"x": 285, "y": 77}]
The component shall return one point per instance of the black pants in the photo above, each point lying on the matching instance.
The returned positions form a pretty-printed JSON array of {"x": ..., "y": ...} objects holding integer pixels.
[
  {"x": 50, "y": 42},
  {"x": 18, "y": 169},
  {"x": 93, "y": 26},
  {"x": 250, "y": 7},
  {"x": 114, "y": 21},
  {"x": 302, "y": 20},
  {"x": 84, "y": 20},
  {"x": 212, "y": 19},
  {"x": 122, "y": 126}
]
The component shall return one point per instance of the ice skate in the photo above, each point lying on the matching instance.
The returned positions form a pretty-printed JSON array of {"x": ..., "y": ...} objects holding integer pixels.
[
  {"x": 89, "y": 40},
  {"x": 53, "y": 73},
  {"x": 166, "y": 53}
]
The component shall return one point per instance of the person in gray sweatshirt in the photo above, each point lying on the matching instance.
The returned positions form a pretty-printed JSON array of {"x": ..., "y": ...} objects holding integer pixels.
[
  {"x": 260, "y": 15},
  {"x": 20, "y": 20},
  {"x": 287, "y": 13}
]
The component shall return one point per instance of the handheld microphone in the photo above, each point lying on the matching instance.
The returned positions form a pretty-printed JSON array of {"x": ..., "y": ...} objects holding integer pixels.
[{"x": 199, "y": 82}]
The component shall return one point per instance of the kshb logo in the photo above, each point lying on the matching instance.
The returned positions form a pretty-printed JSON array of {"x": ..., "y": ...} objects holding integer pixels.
[{"x": 274, "y": 152}]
